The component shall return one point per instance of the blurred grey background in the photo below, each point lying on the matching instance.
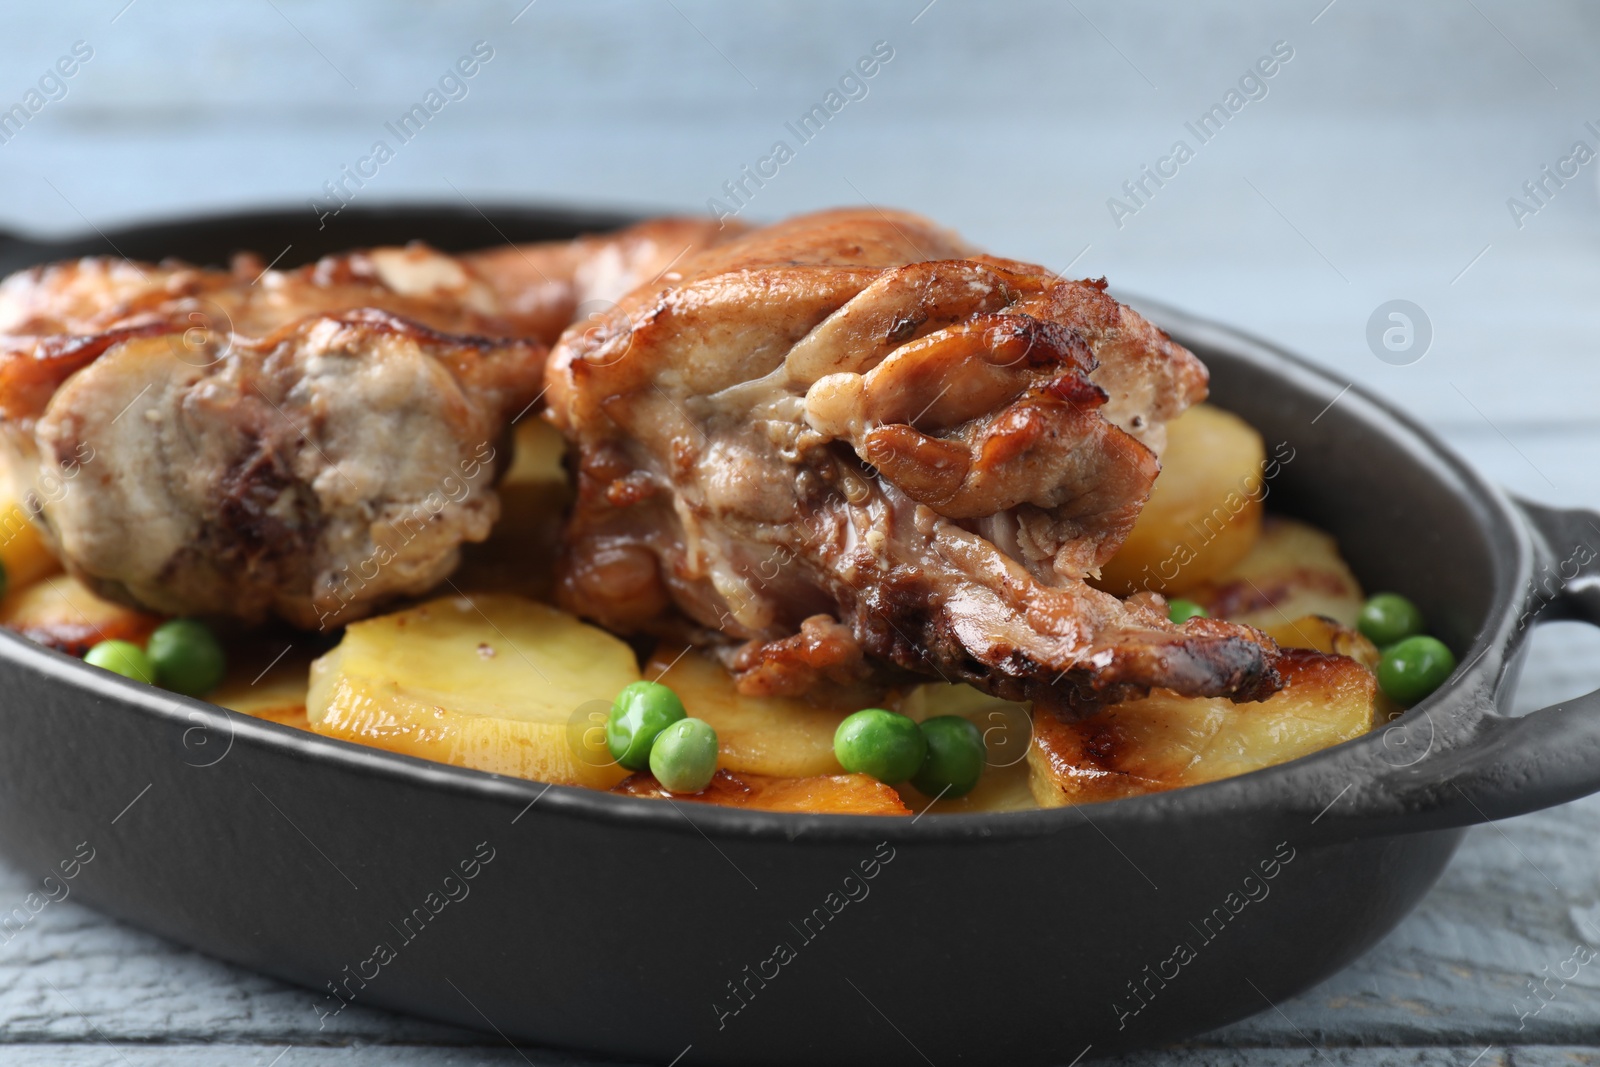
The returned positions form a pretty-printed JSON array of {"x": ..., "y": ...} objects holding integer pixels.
[{"x": 1387, "y": 159}]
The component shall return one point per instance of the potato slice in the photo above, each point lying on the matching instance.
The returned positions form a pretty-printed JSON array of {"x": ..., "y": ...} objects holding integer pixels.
[
  {"x": 778, "y": 736},
  {"x": 768, "y": 740},
  {"x": 268, "y": 677},
  {"x": 537, "y": 453},
  {"x": 1000, "y": 789},
  {"x": 23, "y": 551},
  {"x": 1204, "y": 514},
  {"x": 1327, "y": 635},
  {"x": 1323, "y": 634},
  {"x": 520, "y": 554},
  {"x": 1294, "y": 570},
  {"x": 61, "y": 612},
  {"x": 835, "y": 794},
  {"x": 1007, "y": 729},
  {"x": 495, "y": 681},
  {"x": 1166, "y": 741}
]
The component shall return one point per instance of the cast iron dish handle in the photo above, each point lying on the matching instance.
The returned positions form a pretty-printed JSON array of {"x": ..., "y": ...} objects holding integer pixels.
[{"x": 1463, "y": 761}]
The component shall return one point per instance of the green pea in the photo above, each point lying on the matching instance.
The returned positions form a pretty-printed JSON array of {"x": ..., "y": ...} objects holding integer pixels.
[
  {"x": 1181, "y": 611},
  {"x": 187, "y": 657},
  {"x": 638, "y": 715},
  {"x": 1413, "y": 668},
  {"x": 684, "y": 757},
  {"x": 955, "y": 759},
  {"x": 124, "y": 658},
  {"x": 1389, "y": 617},
  {"x": 873, "y": 741}
]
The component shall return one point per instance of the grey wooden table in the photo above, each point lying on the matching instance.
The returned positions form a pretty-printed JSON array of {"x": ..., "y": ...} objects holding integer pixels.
[{"x": 1388, "y": 156}]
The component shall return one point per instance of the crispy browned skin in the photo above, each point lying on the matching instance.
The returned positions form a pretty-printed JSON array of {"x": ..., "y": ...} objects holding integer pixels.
[
  {"x": 59, "y": 317},
  {"x": 546, "y": 286},
  {"x": 849, "y": 442},
  {"x": 305, "y": 443}
]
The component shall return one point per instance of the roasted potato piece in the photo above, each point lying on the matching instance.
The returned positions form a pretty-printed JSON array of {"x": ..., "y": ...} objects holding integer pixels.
[
  {"x": 1294, "y": 570},
  {"x": 1166, "y": 741},
  {"x": 268, "y": 677},
  {"x": 1000, "y": 789},
  {"x": 287, "y": 714},
  {"x": 834, "y": 794},
  {"x": 1323, "y": 634},
  {"x": 495, "y": 681},
  {"x": 1204, "y": 514},
  {"x": 59, "y": 611},
  {"x": 784, "y": 737},
  {"x": 764, "y": 741},
  {"x": 1007, "y": 729},
  {"x": 520, "y": 554},
  {"x": 22, "y": 549},
  {"x": 1327, "y": 635}
]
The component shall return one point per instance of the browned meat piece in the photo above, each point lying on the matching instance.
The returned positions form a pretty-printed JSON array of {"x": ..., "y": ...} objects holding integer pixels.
[
  {"x": 304, "y": 443},
  {"x": 59, "y": 318},
  {"x": 307, "y": 443},
  {"x": 525, "y": 291},
  {"x": 312, "y": 474},
  {"x": 848, "y": 442},
  {"x": 548, "y": 285}
]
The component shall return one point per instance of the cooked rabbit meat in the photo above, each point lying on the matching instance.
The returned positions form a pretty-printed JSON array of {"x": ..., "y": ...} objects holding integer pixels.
[
  {"x": 551, "y": 284},
  {"x": 849, "y": 442},
  {"x": 59, "y": 318},
  {"x": 95, "y": 294},
  {"x": 530, "y": 290},
  {"x": 312, "y": 474},
  {"x": 307, "y": 443}
]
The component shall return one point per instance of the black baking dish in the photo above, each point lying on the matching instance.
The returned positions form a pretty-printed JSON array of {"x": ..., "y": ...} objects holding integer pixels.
[{"x": 658, "y": 930}]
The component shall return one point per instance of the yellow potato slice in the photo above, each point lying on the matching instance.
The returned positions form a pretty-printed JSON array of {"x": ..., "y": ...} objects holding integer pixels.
[
  {"x": 1007, "y": 728},
  {"x": 520, "y": 554},
  {"x": 268, "y": 677},
  {"x": 777, "y": 736},
  {"x": 61, "y": 612},
  {"x": 536, "y": 455},
  {"x": 496, "y": 682},
  {"x": 22, "y": 548},
  {"x": 1323, "y": 634},
  {"x": 1294, "y": 570},
  {"x": 765, "y": 740},
  {"x": 835, "y": 794},
  {"x": 1165, "y": 741},
  {"x": 1204, "y": 514}
]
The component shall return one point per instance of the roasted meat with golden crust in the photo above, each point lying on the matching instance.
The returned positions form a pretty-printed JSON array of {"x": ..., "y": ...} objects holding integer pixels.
[
  {"x": 305, "y": 443},
  {"x": 850, "y": 442},
  {"x": 549, "y": 285},
  {"x": 527, "y": 290}
]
